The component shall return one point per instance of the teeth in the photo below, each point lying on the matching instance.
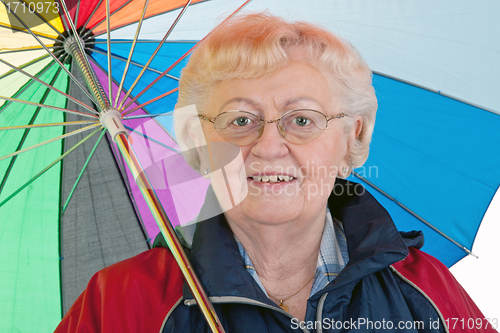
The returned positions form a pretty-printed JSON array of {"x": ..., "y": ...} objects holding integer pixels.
[{"x": 272, "y": 179}]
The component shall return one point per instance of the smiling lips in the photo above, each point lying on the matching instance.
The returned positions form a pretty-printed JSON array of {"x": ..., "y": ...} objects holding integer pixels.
[{"x": 272, "y": 179}]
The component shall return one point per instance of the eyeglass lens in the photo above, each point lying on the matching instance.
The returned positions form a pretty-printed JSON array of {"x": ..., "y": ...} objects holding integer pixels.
[{"x": 243, "y": 128}]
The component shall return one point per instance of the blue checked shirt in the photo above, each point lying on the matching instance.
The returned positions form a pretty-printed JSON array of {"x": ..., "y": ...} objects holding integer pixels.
[{"x": 332, "y": 256}]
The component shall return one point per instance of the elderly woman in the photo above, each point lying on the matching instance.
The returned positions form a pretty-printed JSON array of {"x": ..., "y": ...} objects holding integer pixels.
[{"x": 301, "y": 249}]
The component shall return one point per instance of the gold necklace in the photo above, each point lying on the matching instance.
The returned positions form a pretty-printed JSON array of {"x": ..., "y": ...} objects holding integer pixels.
[{"x": 285, "y": 307}]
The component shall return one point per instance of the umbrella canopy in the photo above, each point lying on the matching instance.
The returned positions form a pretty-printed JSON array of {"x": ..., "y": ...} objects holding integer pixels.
[
  {"x": 61, "y": 222},
  {"x": 433, "y": 161}
]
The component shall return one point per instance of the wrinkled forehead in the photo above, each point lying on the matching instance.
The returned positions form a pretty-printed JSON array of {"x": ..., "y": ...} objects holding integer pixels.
[{"x": 297, "y": 84}]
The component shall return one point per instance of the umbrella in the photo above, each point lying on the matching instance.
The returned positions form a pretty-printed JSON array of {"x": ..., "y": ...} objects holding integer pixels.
[
  {"x": 78, "y": 200},
  {"x": 432, "y": 162}
]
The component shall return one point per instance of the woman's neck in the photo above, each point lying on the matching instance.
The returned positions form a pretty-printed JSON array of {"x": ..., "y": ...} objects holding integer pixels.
[
  {"x": 284, "y": 257},
  {"x": 281, "y": 250}
]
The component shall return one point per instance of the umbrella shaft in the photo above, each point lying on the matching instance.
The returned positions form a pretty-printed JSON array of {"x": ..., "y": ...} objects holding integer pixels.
[
  {"x": 169, "y": 234},
  {"x": 94, "y": 86}
]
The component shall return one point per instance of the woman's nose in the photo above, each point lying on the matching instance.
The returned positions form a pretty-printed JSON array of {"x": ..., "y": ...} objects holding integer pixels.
[{"x": 271, "y": 144}]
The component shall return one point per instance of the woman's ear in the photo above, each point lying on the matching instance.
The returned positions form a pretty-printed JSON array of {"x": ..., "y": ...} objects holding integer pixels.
[
  {"x": 353, "y": 134},
  {"x": 199, "y": 143},
  {"x": 357, "y": 126},
  {"x": 195, "y": 132}
]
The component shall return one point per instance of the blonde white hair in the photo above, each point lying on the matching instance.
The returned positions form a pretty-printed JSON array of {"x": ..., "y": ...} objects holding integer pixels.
[{"x": 254, "y": 45}]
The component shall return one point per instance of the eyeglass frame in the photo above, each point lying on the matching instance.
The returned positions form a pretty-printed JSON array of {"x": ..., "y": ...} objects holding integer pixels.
[{"x": 277, "y": 121}]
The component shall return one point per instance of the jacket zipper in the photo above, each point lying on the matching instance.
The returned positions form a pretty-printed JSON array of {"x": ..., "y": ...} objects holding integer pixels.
[
  {"x": 242, "y": 300},
  {"x": 319, "y": 312},
  {"x": 169, "y": 313},
  {"x": 402, "y": 277}
]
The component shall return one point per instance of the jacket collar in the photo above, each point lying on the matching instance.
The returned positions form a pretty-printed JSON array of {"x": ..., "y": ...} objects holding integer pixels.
[{"x": 372, "y": 239}]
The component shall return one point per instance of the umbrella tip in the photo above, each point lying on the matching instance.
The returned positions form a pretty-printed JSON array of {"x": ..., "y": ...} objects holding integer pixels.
[{"x": 470, "y": 252}]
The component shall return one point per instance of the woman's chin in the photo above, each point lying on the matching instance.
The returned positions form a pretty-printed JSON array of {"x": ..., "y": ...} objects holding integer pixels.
[
  {"x": 270, "y": 216},
  {"x": 272, "y": 207}
]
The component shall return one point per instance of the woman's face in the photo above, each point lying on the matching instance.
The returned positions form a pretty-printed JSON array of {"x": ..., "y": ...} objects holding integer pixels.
[{"x": 314, "y": 166}]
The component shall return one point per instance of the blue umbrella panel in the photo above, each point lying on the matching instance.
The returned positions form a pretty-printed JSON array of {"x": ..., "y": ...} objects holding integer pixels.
[{"x": 439, "y": 160}]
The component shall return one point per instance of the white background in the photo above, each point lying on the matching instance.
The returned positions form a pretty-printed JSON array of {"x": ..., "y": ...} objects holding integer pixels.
[{"x": 481, "y": 276}]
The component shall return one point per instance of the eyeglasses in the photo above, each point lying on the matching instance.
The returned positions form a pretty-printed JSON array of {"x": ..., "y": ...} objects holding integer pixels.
[{"x": 297, "y": 126}]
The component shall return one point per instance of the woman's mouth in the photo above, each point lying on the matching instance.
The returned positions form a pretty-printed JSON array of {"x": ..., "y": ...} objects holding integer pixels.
[{"x": 272, "y": 179}]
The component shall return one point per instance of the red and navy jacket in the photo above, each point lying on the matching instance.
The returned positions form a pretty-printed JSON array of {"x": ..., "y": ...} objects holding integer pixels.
[{"x": 387, "y": 285}]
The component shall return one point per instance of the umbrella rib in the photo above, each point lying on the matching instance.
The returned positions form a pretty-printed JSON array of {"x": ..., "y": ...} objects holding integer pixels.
[
  {"x": 110, "y": 85},
  {"x": 121, "y": 166},
  {"x": 25, "y": 49},
  {"x": 148, "y": 145},
  {"x": 155, "y": 81},
  {"x": 115, "y": 11},
  {"x": 140, "y": 106},
  {"x": 127, "y": 24},
  {"x": 132, "y": 48},
  {"x": 44, "y": 21},
  {"x": 47, "y": 168},
  {"x": 24, "y": 31},
  {"x": 146, "y": 41},
  {"x": 70, "y": 195},
  {"x": 150, "y": 60},
  {"x": 48, "y": 106},
  {"x": 86, "y": 34},
  {"x": 57, "y": 60},
  {"x": 23, "y": 89},
  {"x": 93, "y": 12},
  {"x": 415, "y": 215},
  {"x": 24, "y": 65},
  {"x": 50, "y": 141},
  {"x": 77, "y": 12},
  {"x": 66, "y": 123},
  {"x": 49, "y": 86},
  {"x": 133, "y": 63},
  {"x": 179, "y": 60},
  {"x": 149, "y": 115},
  {"x": 64, "y": 18},
  {"x": 27, "y": 131},
  {"x": 114, "y": 81},
  {"x": 437, "y": 92},
  {"x": 145, "y": 136},
  {"x": 145, "y": 110}
]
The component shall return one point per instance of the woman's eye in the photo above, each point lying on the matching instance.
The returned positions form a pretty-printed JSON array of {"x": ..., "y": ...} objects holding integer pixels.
[
  {"x": 242, "y": 121},
  {"x": 301, "y": 121}
]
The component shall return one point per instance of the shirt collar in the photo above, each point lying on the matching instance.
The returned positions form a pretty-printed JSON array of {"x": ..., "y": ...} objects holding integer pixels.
[{"x": 332, "y": 256}]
